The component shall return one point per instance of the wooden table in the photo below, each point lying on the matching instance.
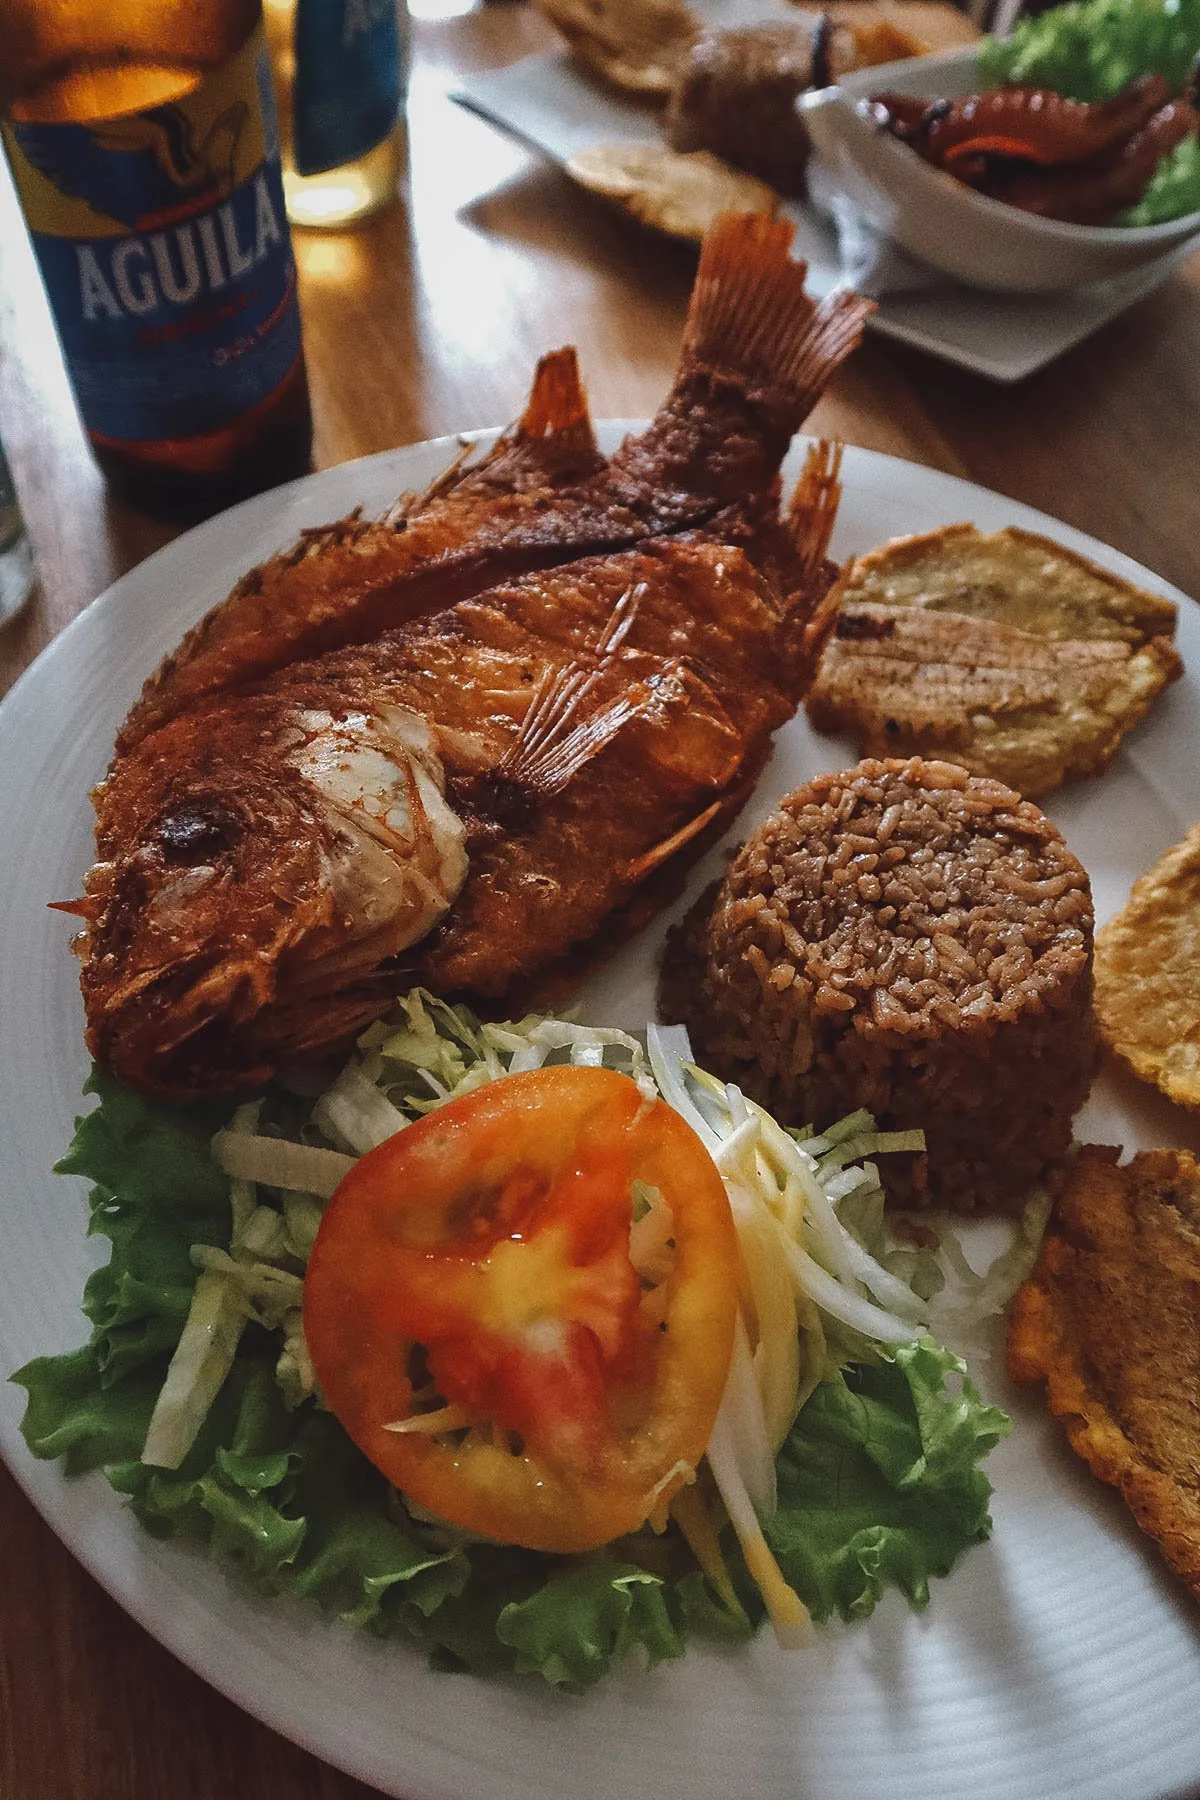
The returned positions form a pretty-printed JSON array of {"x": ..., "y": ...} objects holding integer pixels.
[{"x": 428, "y": 321}]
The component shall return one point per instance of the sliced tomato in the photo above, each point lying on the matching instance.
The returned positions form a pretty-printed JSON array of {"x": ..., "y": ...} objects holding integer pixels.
[{"x": 475, "y": 1271}]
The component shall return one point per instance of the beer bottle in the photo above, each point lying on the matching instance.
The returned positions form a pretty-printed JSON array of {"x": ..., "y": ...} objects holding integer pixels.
[
  {"x": 143, "y": 144},
  {"x": 341, "y": 69}
]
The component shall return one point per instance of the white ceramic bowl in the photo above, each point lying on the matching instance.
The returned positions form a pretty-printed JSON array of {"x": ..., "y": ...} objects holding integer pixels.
[{"x": 934, "y": 217}]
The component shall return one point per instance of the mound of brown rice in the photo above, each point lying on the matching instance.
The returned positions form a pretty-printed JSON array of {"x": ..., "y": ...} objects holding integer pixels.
[{"x": 911, "y": 939}]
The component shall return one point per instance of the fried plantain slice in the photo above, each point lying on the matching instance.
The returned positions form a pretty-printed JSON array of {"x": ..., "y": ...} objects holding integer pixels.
[
  {"x": 667, "y": 190},
  {"x": 888, "y": 30},
  {"x": 1108, "y": 1319},
  {"x": 1006, "y": 653},
  {"x": 635, "y": 45},
  {"x": 1148, "y": 975}
]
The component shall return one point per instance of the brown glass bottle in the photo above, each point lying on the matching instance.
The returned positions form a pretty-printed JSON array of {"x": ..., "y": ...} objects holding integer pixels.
[{"x": 142, "y": 139}]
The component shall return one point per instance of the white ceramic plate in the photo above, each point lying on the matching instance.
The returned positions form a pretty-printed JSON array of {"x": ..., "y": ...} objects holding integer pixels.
[
  {"x": 551, "y": 104},
  {"x": 1059, "y": 1660}
]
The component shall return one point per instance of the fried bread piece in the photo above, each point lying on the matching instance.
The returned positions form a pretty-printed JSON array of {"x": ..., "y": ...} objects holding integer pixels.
[
  {"x": 1148, "y": 975},
  {"x": 678, "y": 194},
  {"x": 1006, "y": 653},
  {"x": 735, "y": 90},
  {"x": 736, "y": 97},
  {"x": 1108, "y": 1319}
]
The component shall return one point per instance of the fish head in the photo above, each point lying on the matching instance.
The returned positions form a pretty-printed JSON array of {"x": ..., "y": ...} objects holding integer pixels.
[{"x": 259, "y": 866}]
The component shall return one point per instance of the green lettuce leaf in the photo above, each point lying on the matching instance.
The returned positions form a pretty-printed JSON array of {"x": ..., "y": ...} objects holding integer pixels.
[
  {"x": 156, "y": 1193},
  {"x": 576, "y": 1625},
  {"x": 73, "y": 1413},
  {"x": 879, "y": 1483},
  {"x": 1174, "y": 189},
  {"x": 1092, "y": 49}
]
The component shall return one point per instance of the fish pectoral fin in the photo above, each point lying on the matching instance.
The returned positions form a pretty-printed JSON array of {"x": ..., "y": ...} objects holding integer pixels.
[
  {"x": 653, "y": 859},
  {"x": 558, "y": 734},
  {"x": 554, "y": 752}
]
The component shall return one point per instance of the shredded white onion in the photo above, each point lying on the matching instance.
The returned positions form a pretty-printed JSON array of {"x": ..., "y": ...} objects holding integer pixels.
[
  {"x": 280, "y": 1163},
  {"x": 746, "y": 1427},
  {"x": 665, "y": 1065},
  {"x": 842, "y": 1303},
  {"x": 788, "y": 1615},
  {"x": 355, "y": 1113}
]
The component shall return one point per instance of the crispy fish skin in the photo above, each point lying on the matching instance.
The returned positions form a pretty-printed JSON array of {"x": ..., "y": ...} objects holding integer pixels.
[
  {"x": 1108, "y": 1319},
  {"x": 721, "y": 665},
  {"x": 1006, "y": 653},
  {"x": 543, "y": 495},
  {"x": 1148, "y": 975},
  {"x": 353, "y": 579},
  {"x": 260, "y": 859},
  {"x": 225, "y": 941},
  {"x": 275, "y": 858}
]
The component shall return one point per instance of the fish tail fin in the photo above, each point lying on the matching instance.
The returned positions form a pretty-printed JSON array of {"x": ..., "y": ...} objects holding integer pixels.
[
  {"x": 557, "y": 406},
  {"x": 751, "y": 319}
]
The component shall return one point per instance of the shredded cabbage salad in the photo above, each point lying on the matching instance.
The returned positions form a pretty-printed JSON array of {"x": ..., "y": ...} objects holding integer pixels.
[{"x": 197, "y": 1395}]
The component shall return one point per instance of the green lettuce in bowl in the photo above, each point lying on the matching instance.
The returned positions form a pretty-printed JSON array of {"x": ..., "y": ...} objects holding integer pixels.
[{"x": 1090, "y": 50}]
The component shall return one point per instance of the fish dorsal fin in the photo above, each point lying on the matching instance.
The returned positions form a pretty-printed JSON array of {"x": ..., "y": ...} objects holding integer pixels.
[
  {"x": 556, "y": 412},
  {"x": 557, "y": 406},
  {"x": 751, "y": 318},
  {"x": 562, "y": 730},
  {"x": 407, "y": 505}
]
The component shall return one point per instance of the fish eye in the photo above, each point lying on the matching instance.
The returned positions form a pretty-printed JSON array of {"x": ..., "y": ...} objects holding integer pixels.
[{"x": 192, "y": 835}]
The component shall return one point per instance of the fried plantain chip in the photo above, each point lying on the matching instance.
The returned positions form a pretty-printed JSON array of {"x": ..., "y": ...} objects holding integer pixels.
[
  {"x": 887, "y": 30},
  {"x": 1108, "y": 1319},
  {"x": 1006, "y": 653},
  {"x": 676, "y": 193},
  {"x": 636, "y": 45},
  {"x": 1148, "y": 975}
]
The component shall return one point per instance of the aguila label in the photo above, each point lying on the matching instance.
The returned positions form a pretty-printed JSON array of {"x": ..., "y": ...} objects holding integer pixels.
[{"x": 164, "y": 248}]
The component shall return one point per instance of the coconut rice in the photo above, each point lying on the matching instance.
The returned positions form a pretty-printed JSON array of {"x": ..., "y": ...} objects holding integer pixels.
[{"x": 911, "y": 939}]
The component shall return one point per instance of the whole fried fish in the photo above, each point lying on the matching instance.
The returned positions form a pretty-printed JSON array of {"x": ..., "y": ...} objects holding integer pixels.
[
  {"x": 544, "y": 495},
  {"x": 483, "y": 784}
]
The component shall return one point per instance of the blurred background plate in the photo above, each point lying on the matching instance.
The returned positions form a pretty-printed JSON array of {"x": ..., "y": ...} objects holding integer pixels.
[{"x": 550, "y": 103}]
